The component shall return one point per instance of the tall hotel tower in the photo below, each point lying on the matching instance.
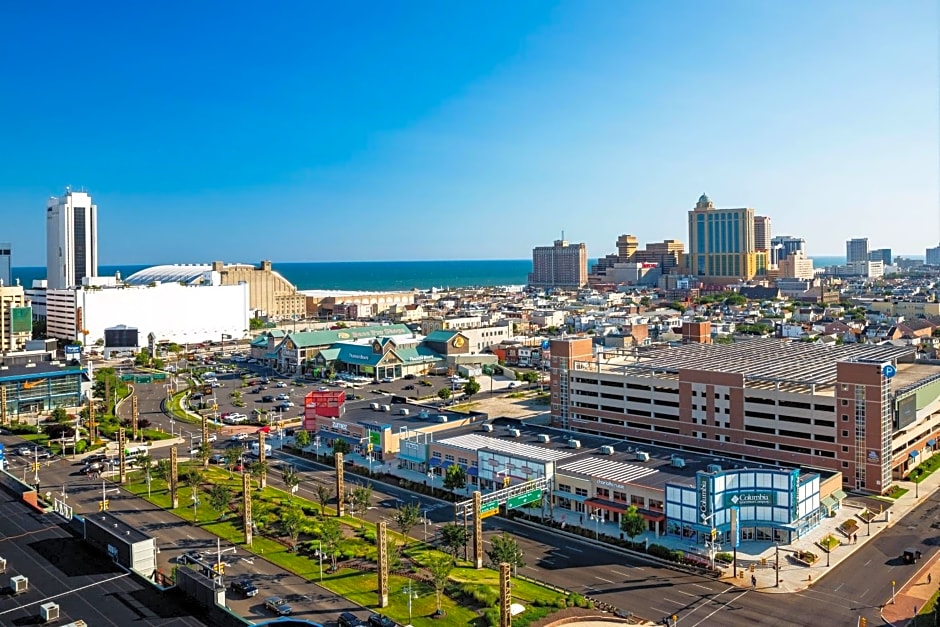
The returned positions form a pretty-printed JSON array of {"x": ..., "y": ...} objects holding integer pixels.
[
  {"x": 71, "y": 240},
  {"x": 722, "y": 244}
]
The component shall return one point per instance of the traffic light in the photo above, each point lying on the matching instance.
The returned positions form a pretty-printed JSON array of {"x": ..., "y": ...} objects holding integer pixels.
[
  {"x": 219, "y": 568},
  {"x": 103, "y": 505},
  {"x": 506, "y": 482},
  {"x": 862, "y": 621},
  {"x": 714, "y": 534},
  {"x": 35, "y": 466}
]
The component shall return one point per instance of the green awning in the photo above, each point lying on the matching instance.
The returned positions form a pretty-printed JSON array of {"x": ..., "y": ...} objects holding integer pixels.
[
  {"x": 839, "y": 495},
  {"x": 828, "y": 502}
]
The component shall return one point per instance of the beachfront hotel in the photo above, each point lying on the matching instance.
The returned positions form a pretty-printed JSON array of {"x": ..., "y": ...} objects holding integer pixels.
[{"x": 870, "y": 412}]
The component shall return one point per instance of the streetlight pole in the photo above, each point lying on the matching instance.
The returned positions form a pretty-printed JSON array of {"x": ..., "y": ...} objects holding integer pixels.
[
  {"x": 425, "y": 526},
  {"x": 893, "y": 582},
  {"x": 777, "y": 564},
  {"x": 320, "y": 552}
]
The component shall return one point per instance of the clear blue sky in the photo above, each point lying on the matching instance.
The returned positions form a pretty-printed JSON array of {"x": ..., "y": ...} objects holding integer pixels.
[{"x": 307, "y": 131}]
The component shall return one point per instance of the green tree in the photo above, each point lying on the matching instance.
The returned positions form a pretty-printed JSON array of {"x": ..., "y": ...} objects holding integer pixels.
[
  {"x": 504, "y": 548},
  {"x": 393, "y": 550},
  {"x": 361, "y": 497},
  {"x": 341, "y": 446},
  {"x": 324, "y": 494},
  {"x": 454, "y": 537},
  {"x": 406, "y": 517},
  {"x": 142, "y": 358},
  {"x": 231, "y": 458},
  {"x": 203, "y": 453},
  {"x": 632, "y": 522},
  {"x": 302, "y": 438},
  {"x": 439, "y": 568},
  {"x": 291, "y": 480},
  {"x": 530, "y": 376},
  {"x": 219, "y": 498},
  {"x": 331, "y": 533},
  {"x": 443, "y": 394},
  {"x": 162, "y": 470},
  {"x": 254, "y": 324},
  {"x": 471, "y": 387},
  {"x": 59, "y": 414},
  {"x": 455, "y": 478},
  {"x": 258, "y": 468},
  {"x": 292, "y": 522}
]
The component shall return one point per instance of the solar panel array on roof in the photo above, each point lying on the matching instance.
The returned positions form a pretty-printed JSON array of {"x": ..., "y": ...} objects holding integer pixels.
[
  {"x": 473, "y": 442},
  {"x": 766, "y": 359},
  {"x": 608, "y": 469}
]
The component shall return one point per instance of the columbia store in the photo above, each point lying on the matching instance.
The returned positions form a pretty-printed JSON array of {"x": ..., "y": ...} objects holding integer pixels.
[{"x": 772, "y": 505}]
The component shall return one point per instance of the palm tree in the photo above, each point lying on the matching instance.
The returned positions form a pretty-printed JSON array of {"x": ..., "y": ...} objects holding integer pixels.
[
  {"x": 205, "y": 452},
  {"x": 231, "y": 457},
  {"x": 162, "y": 470}
]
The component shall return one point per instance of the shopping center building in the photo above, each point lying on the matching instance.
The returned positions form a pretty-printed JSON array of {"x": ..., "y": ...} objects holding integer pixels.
[{"x": 870, "y": 412}]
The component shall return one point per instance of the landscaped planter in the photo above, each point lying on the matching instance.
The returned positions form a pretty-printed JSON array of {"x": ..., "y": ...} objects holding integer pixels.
[{"x": 804, "y": 558}]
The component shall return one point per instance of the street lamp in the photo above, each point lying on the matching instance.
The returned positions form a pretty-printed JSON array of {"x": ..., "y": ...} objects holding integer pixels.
[
  {"x": 425, "y": 514},
  {"x": 596, "y": 518},
  {"x": 893, "y": 582}
]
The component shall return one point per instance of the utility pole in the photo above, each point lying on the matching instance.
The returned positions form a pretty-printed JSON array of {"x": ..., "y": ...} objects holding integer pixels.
[
  {"x": 134, "y": 416},
  {"x": 247, "y": 522}
]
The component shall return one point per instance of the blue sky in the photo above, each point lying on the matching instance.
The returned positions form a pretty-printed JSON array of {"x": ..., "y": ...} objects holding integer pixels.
[{"x": 306, "y": 131}]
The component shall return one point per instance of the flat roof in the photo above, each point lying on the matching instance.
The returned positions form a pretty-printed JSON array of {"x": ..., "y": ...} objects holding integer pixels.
[
  {"x": 128, "y": 533},
  {"x": 37, "y": 369},
  {"x": 763, "y": 359},
  {"x": 85, "y": 583},
  {"x": 476, "y": 441}
]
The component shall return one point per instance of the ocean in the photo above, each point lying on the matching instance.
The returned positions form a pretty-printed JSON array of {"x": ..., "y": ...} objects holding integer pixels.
[{"x": 385, "y": 275}]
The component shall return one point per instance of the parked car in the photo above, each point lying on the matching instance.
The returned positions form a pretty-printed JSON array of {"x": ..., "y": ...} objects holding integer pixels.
[
  {"x": 280, "y": 384},
  {"x": 386, "y": 379},
  {"x": 348, "y": 619},
  {"x": 410, "y": 386},
  {"x": 267, "y": 398},
  {"x": 217, "y": 459},
  {"x": 380, "y": 620},
  {"x": 244, "y": 587},
  {"x": 409, "y": 377},
  {"x": 283, "y": 397},
  {"x": 278, "y": 605},
  {"x": 239, "y": 437}
]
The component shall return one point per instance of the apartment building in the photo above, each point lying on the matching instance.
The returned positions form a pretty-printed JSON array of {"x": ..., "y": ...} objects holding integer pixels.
[
  {"x": 722, "y": 245},
  {"x": 561, "y": 265},
  {"x": 867, "y": 411}
]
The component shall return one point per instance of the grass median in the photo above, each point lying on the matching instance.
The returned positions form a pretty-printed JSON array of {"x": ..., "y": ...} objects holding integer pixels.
[{"x": 468, "y": 593}]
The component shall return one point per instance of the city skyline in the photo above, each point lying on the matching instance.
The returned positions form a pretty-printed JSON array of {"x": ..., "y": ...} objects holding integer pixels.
[{"x": 492, "y": 121}]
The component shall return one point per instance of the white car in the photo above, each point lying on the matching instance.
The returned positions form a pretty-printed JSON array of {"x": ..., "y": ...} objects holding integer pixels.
[
  {"x": 280, "y": 384},
  {"x": 235, "y": 419},
  {"x": 239, "y": 437},
  {"x": 283, "y": 397}
]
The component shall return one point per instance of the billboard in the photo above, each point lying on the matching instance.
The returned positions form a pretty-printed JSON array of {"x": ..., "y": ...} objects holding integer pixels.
[
  {"x": 72, "y": 351},
  {"x": 21, "y": 319},
  {"x": 906, "y": 411}
]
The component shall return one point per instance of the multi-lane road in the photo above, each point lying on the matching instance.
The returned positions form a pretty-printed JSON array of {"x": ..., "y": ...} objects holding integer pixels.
[{"x": 856, "y": 587}]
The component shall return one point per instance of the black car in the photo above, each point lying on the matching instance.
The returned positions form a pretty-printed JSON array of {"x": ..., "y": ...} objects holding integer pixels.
[
  {"x": 380, "y": 620},
  {"x": 255, "y": 390},
  {"x": 410, "y": 386},
  {"x": 348, "y": 619},
  {"x": 278, "y": 605},
  {"x": 97, "y": 457},
  {"x": 267, "y": 398},
  {"x": 244, "y": 587}
]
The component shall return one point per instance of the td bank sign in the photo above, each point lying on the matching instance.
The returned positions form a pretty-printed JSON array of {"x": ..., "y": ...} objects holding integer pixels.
[{"x": 741, "y": 499}]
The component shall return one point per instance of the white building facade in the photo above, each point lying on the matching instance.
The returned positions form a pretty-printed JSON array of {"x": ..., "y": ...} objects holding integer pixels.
[
  {"x": 71, "y": 239},
  {"x": 184, "y": 314}
]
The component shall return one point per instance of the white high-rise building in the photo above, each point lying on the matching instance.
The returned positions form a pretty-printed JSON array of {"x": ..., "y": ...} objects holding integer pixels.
[
  {"x": 6, "y": 263},
  {"x": 71, "y": 240}
]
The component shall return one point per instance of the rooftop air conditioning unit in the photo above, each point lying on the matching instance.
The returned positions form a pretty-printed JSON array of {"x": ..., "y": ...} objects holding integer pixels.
[
  {"x": 713, "y": 468},
  {"x": 678, "y": 462},
  {"x": 607, "y": 449},
  {"x": 386, "y": 408},
  {"x": 574, "y": 443},
  {"x": 544, "y": 438},
  {"x": 49, "y": 612},
  {"x": 642, "y": 456},
  {"x": 18, "y": 584},
  {"x": 487, "y": 428},
  {"x": 514, "y": 433}
]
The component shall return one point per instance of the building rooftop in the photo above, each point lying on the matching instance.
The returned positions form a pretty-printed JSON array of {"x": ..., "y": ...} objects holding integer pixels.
[{"x": 760, "y": 359}]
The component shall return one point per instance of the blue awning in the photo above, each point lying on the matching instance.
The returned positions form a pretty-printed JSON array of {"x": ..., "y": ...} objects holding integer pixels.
[
  {"x": 915, "y": 453},
  {"x": 447, "y": 464},
  {"x": 569, "y": 495},
  {"x": 931, "y": 442},
  {"x": 473, "y": 471},
  {"x": 434, "y": 462}
]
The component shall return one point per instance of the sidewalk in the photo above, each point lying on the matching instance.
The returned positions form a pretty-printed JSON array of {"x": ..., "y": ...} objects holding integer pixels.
[{"x": 914, "y": 594}]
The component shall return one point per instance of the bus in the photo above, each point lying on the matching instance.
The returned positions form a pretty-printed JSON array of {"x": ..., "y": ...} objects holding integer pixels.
[{"x": 134, "y": 453}]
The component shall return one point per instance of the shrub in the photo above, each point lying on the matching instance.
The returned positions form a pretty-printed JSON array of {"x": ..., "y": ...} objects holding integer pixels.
[
  {"x": 660, "y": 551},
  {"x": 80, "y": 446},
  {"x": 19, "y": 428},
  {"x": 491, "y": 617},
  {"x": 725, "y": 558}
]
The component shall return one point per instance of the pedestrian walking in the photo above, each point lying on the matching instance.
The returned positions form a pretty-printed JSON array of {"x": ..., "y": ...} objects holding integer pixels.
[
  {"x": 753, "y": 581},
  {"x": 929, "y": 578}
]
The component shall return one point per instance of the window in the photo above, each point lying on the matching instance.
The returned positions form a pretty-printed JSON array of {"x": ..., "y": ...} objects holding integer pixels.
[
  {"x": 563, "y": 487},
  {"x": 449, "y": 458},
  {"x": 436, "y": 454},
  {"x": 581, "y": 491},
  {"x": 844, "y": 402},
  {"x": 845, "y": 433},
  {"x": 845, "y": 417}
]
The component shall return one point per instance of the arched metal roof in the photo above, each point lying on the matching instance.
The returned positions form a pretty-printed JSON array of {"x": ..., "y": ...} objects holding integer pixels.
[{"x": 171, "y": 273}]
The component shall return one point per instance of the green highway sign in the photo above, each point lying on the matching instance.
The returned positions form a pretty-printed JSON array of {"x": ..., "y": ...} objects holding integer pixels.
[
  {"x": 489, "y": 506},
  {"x": 533, "y": 496}
]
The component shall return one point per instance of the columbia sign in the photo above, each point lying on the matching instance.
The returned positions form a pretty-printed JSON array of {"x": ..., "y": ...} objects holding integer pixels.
[{"x": 741, "y": 499}]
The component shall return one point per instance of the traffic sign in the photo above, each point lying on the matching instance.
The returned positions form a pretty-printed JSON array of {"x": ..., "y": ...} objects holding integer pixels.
[
  {"x": 489, "y": 506},
  {"x": 533, "y": 496},
  {"x": 488, "y": 513}
]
